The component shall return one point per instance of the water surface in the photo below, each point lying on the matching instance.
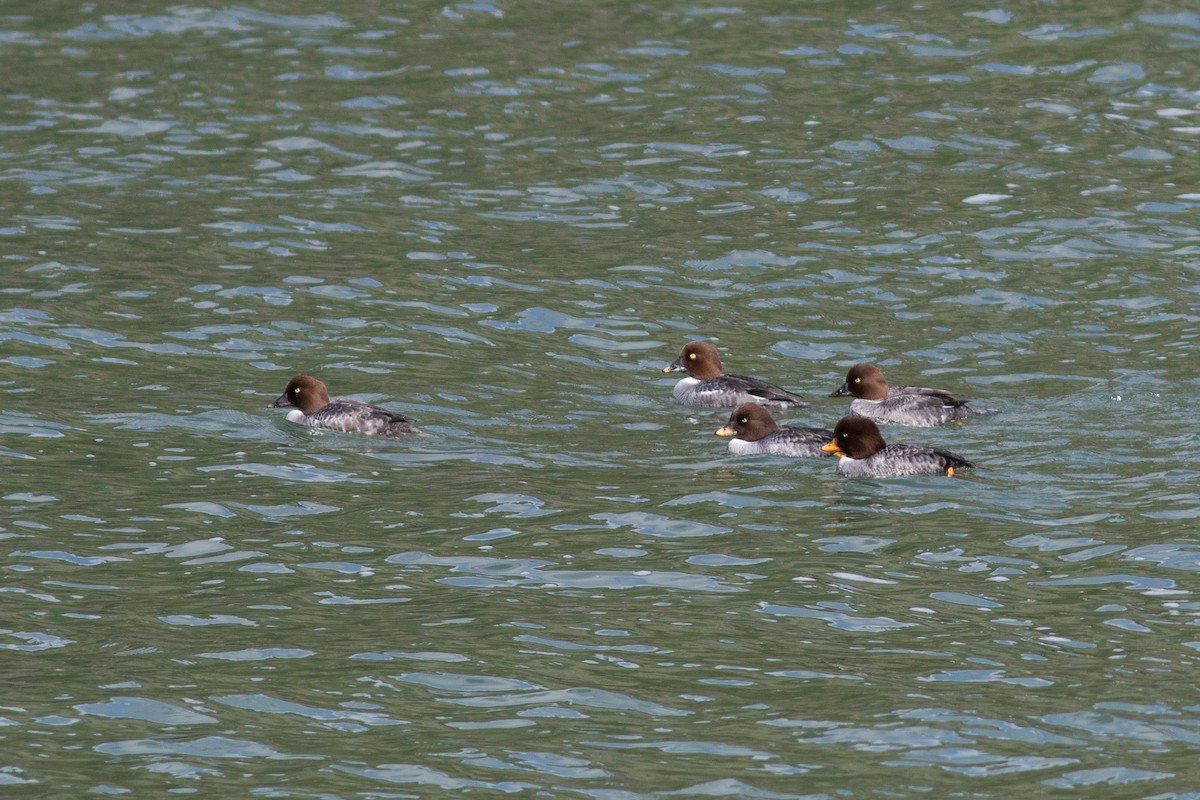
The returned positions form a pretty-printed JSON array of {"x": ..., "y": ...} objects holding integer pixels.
[{"x": 503, "y": 220}]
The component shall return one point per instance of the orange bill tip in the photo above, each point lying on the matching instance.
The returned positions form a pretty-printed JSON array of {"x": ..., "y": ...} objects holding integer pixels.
[{"x": 726, "y": 431}]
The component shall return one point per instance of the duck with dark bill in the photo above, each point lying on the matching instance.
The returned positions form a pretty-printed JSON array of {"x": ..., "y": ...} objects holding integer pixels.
[
  {"x": 313, "y": 408},
  {"x": 707, "y": 385},
  {"x": 919, "y": 406}
]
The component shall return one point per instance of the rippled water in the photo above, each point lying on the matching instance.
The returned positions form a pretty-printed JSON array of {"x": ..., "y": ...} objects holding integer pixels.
[{"x": 504, "y": 219}]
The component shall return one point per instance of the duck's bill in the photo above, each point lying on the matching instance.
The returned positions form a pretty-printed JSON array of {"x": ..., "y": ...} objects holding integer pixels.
[{"x": 726, "y": 431}]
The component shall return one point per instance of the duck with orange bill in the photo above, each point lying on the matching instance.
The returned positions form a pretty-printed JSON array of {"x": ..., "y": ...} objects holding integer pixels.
[
  {"x": 862, "y": 452},
  {"x": 755, "y": 432}
]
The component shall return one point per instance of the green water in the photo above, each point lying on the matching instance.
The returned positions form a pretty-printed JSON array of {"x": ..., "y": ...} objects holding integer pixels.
[{"x": 504, "y": 220}]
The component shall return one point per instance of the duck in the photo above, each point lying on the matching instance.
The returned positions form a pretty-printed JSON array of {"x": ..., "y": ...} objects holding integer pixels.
[
  {"x": 862, "y": 452},
  {"x": 313, "y": 408},
  {"x": 755, "y": 432},
  {"x": 917, "y": 406},
  {"x": 707, "y": 385}
]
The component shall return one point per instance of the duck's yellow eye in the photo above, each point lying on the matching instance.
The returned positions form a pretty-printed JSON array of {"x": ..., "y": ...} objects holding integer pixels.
[
  {"x": 296, "y": 390},
  {"x": 744, "y": 420},
  {"x": 845, "y": 435},
  {"x": 692, "y": 356},
  {"x": 858, "y": 380}
]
